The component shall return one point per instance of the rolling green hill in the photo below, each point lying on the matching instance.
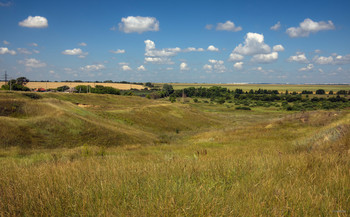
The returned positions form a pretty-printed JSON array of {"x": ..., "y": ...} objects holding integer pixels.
[
  {"x": 106, "y": 155},
  {"x": 70, "y": 120}
]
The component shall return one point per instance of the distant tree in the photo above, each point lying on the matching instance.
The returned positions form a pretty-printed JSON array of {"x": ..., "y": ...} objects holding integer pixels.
[
  {"x": 320, "y": 91},
  {"x": 331, "y": 92},
  {"x": 108, "y": 81},
  {"x": 17, "y": 84},
  {"x": 62, "y": 88},
  {"x": 105, "y": 90},
  {"x": 342, "y": 92},
  {"x": 149, "y": 84},
  {"x": 168, "y": 89},
  {"x": 81, "y": 89},
  {"x": 22, "y": 81},
  {"x": 238, "y": 91},
  {"x": 307, "y": 92}
]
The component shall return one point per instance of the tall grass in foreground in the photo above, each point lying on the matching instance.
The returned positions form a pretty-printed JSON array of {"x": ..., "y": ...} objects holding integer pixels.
[{"x": 296, "y": 166}]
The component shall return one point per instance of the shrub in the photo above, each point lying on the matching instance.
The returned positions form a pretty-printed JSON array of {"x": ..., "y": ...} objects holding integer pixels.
[
  {"x": 342, "y": 92},
  {"x": 32, "y": 95},
  {"x": 62, "y": 88},
  {"x": 320, "y": 91},
  {"x": 243, "y": 108},
  {"x": 172, "y": 99}
]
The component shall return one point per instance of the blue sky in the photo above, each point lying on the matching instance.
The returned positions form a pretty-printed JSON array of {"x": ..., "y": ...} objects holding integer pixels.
[{"x": 176, "y": 41}]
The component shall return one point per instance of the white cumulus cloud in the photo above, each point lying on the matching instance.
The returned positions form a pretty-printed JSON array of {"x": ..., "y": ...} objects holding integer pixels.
[
  {"x": 119, "y": 51},
  {"x": 126, "y": 68},
  {"x": 5, "y": 42},
  {"x": 342, "y": 59},
  {"x": 335, "y": 59},
  {"x": 276, "y": 27},
  {"x": 158, "y": 60},
  {"x": 75, "y": 52},
  {"x": 32, "y": 63},
  {"x": 151, "y": 51},
  {"x": 208, "y": 67},
  {"x": 265, "y": 58},
  {"x": 159, "y": 56},
  {"x": 323, "y": 60},
  {"x": 212, "y": 48},
  {"x": 235, "y": 57},
  {"x": 141, "y": 68},
  {"x": 89, "y": 68},
  {"x": 34, "y": 22},
  {"x": 83, "y": 44},
  {"x": 238, "y": 65},
  {"x": 217, "y": 65},
  {"x": 253, "y": 44},
  {"x": 308, "y": 26},
  {"x": 228, "y": 26},
  {"x": 184, "y": 66},
  {"x": 307, "y": 68},
  {"x": 33, "y": 44},
  {"x": 299, "y": 57},
  {"x": 278, "y": 48},
  {"x": 5, "y": 50},
  {"x": 193, "y": 49},
  {"x": 138, "y": 24}
]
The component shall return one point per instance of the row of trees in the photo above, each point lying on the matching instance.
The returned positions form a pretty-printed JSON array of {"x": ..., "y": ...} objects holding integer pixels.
[
  {"x": 16, "y": 84},
  {"x": 99, "y": 89}
]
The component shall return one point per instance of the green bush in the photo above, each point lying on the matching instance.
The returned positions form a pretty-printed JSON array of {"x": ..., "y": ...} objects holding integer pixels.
[
  {"x": 32, "y": 95},
  {"x": 320, "y": 91},
  {"x": 62, "y": 88},
  {"x": 243, "y": 108}
]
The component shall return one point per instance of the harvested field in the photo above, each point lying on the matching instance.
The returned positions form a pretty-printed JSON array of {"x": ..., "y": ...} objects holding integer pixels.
[{"x": 54, "y": 85}]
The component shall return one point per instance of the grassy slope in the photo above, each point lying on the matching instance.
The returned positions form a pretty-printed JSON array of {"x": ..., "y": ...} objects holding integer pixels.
[
  {"x": 260, "y": 162},
  {"x": 70, "y": 120}
]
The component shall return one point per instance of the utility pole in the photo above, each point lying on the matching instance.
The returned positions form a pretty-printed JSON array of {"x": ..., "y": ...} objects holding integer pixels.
[
  {"x": 5, "y": 76},
  {"x": 183, "y": 95}
]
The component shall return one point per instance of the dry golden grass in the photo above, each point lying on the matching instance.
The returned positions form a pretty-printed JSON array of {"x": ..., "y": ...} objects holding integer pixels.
[
  {"x": 53, "y": 85},
  {"x": 252, "y": 163}
]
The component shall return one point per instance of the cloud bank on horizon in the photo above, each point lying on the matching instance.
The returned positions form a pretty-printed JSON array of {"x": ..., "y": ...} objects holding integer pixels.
[{"x": 230, "y": 48}]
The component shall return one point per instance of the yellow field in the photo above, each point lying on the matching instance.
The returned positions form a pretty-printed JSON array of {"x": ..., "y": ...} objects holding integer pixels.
[
  {"x": 53, "y": 85},
  {"x": 279, "y": 87}
]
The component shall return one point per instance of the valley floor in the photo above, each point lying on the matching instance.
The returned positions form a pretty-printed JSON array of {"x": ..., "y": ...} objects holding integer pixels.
[{"x": 69, "y": 155}]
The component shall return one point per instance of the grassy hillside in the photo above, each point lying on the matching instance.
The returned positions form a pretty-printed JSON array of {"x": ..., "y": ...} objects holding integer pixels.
[
  {"x": 71, "y": 120},
  {"x": 175, "y": 159}
]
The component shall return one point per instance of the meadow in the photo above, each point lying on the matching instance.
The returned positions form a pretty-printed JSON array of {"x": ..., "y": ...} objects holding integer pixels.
[{"x": 92, "y": 155}]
